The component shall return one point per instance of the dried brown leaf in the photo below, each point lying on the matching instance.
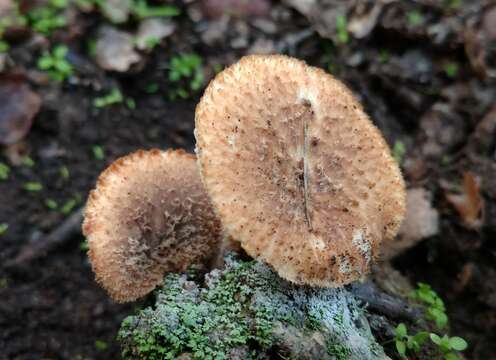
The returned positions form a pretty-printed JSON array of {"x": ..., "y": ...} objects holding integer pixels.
[{"x": 469, "y": 203}]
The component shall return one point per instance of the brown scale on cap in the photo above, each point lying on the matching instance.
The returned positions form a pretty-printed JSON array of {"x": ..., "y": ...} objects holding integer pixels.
[
  {"x": 148, "y": 215},
  {"x": 296, "y": 170}
]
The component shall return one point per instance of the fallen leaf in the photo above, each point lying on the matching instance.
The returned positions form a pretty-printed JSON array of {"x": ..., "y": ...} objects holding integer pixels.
[
  {"x": 153, "y": 30},
  {"x": 322, "y": 15},
  {"x": 114, "y": 50},
  {"x": 479, "y": 39},
  {"x": 18, "y": 107},
  {"x": 469, "y": 203},
  {"x": 421, "y": 221},
  {"x": 238, "y": 8}
]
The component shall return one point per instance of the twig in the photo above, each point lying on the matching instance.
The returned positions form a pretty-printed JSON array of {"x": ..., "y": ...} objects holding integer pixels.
[
  {"x": 382, "y": 303},
  {"x": 58, "y": 236}
]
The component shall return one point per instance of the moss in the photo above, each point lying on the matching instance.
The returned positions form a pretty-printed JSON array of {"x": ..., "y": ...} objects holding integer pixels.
[
  {"x": 338, "y": 351},
  {"x": 244, "y": 311}
]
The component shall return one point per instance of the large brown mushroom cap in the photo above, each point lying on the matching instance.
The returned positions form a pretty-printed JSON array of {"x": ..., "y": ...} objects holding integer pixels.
[
  {"x": 296, "y": 170},
  {"x": 148, "y": 215}
]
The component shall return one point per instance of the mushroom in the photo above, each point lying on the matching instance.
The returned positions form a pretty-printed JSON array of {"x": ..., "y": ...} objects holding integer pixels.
[
  {"x": 148, "y": 215},
  {"x": 296, "y": 170}
]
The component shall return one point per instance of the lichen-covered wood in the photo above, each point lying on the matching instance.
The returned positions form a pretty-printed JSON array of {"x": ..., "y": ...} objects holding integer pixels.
[{"x": 246, "y": 311}]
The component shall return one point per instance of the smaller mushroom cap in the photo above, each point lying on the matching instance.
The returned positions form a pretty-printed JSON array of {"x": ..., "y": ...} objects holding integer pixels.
[
  {"x": 296, "y": 170},
  {"x": 148, "y": 215}
]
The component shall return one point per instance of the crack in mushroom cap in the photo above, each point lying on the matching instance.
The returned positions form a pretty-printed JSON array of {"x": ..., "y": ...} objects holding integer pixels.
[
  {"x": 296, "y": 170},
  {"x": 148, "y": 215}
]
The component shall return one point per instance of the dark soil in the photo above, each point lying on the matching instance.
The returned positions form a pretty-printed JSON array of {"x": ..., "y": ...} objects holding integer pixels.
[{"x": 51, "y": 308}]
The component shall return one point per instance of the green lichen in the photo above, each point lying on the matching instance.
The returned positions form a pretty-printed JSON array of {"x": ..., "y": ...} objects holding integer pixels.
[{"x": 247, "y": 312}]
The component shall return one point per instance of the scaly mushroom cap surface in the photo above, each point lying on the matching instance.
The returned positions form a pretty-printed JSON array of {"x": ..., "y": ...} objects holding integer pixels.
[
  {"x": 296, "y": 170},
  {"x": 148, "y": 215}
]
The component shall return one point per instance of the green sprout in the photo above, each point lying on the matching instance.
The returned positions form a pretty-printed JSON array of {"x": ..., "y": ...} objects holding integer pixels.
[
  {"x": 14, "y": 18},
  {"x": 436, "y": 310},
  {"x": 142, "y": 10},
  {"x": 384, "y": 56},
  {"x": 404, "y": 342},
  {"x": 27, "y": 161},
  {"x": 453, "y": 4},
  {"x": 152, "y": 42},
  {"x": 101, "y": 345},
  {"x": 4, "y": 46},
  {"x": 61, "y": 4},
  {"x": 114, "y": 97},
  {"x": 151, "y": 88},
  {"x": 4, "y": 171},
  {"x": 451, "y": 69},
  {"x": 130, "y": 103},
  {"x": 55, "y": 63},
  {"x": 342, "y": 29},
  {"x": 186, "y": 67},
  {"x": 33, "y": 186},
  {"x": 51, "y": 204},
  {"x": 399, "y": 151},
  {"x": 64, "y": 172},
  {"x": 3, "y": 228},
  {"x": 448, "y": 345},
  {"x": 218, "y": 68},
  {"x": 327, "y": 58},
  {"x": 46, "y": 19},
  {"x": 414, "y": 18},
  {"x": 445, "y": 160},
  {"x": 68, "y": 206},
  {"x": 98, "y": 152},
  {"x": 83, "y": 246}
]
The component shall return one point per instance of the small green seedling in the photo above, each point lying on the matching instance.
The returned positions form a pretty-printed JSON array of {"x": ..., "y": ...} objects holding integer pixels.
[
  {"x": 13, "y": 18},
  {"x": 51, "y": 204},
  {"x": 151, "y": 88},
  {"x": 33, "y": 186},
  {"x": 98, "y": 152},
  {"x": 186, "y": 67},
  {"x": 342, "y": 29},
  {"x": 64, "y": 173},
  {"x": 328, "y": 56},
  {"x": 61, "y": 4},
  {"x": 3, "y": 228},
  {"x": 68, "y": 206},
  {"x": 436, "y": 310},
  {"x": 448, "y": 345},
  {"x": 414, "y": 18},
  {"x": 399, "y": 151},
  {"x": 217, "y": 68},
  {"x": 4, "y": 46},
  {"x": 4, "y": 171},
  {"x": 152, "y": 42},
  {"x": 384, "y": 56},
  {"x": 142, "y": 10},
  {"x": 55, "y": 63},
  {"x": 101, "y": 345},
  {"x": 404, "y": 342},
  {"x": 83, "y": 246},
  {"x": 46, "y": 19},
  {"x": 114, "y": 97},
  {"x": 451, "y": 69},
  {"x": 27, "y": 161},
  {"x": 130, "y": 103}
]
